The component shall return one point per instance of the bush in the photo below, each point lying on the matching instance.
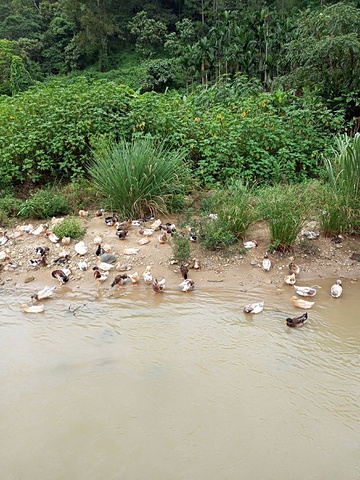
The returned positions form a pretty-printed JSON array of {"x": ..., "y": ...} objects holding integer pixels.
[
  {"x": 82, "y": 195},
  {"x": 342, "y": 191},
  {"x": 138, "y": 177},
  {"x": 69, "y": 227},
  {"x": 44, "y": 204},
  {"x": 285, "y": 207},
  {"x": 181, "y": 247},
  {"x": 214, "y": 235}
]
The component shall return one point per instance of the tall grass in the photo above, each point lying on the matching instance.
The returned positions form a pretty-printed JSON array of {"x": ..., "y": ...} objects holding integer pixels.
[
  {"x": 285, "y": 207},
  {"x": 140, "y": 176},
  {"x": 341, "y": 213}
]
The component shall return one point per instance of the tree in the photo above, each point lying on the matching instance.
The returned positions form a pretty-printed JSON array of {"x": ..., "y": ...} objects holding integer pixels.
[
  {"x": 149, "y": 33},
  {"x": 325, "y": 53}
]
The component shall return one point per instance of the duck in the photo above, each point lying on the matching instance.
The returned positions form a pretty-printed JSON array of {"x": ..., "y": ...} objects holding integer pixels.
[
  {"x": 336, "y": 289},
  {"x": 64, "y": 258},
  {"x": 147, "y": 275},
  {"x": 37, "y": 262},
  {"x": 125, "y": 225},
  {"x": 134, "y": 277},
  {"x": 66, "y": 241},
  {"x": 156, "y": 224},
  {"x": 121, "y": 234},
  {"x": 306, "y": 291},
  {"x": 290, "y": 279},
  {"x": 310, "y": 234},
  {"x": 40, "y": 229},
  {"x": 52, "y": 237},
  {"x": 297, "y": 322},
  {"x": 266, "y": 263},
  {"x": 42, "y": 251},
  {"x": 196, "y": 264},
  {"x": 82, "y": 265},
  {"x": 131, "y": 250},
  {"x": 147, "y": 232},
  {"x": 99, "y": 251},
  {"x": 107, "y": 257},
  {"x": 136, "y": 223},
  {"x": 300, "y": 303},
  {"x": 144, "y": 241},
  {"x": 123, "y": 267},
  {"x": 80, "y": 248},
  {"x": 187, "y": 285},
  {"x": 337, "y": 239},
  {"x": 162, "y": 238},
  {"x": 98, "y": 240},
  {"x": 119, "y": 280},
  {"x": 83, "y": 213},
  {"x": 254, "y": 307},
  {"x": 184, "y": 271},
  {"x": 61, "y": 275},
  {"x": 33, "y": 308},
  {"x": 295, "y": 269},
  {"x": 104, "y": 266},
  {"x": 158, "y": 286},
  {"x": 168, "y": 227},
  {"x": 250, "y": 244},
  {"x": 110, "y": 221},
  {"x": 4, "y": 238},
  {"x": 192, "y": 237},
  {"x": 46, "y": 292},
  {"x": 100, "y": 276},
  {"x": 99, "y": 212},
  {"x": 4, "y": 255}
]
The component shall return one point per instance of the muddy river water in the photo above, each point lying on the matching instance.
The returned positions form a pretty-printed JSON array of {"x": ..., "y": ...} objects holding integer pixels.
[{"x": 176, "y": 386}]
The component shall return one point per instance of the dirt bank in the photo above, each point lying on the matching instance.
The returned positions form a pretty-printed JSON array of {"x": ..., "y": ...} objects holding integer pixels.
[{"x": 241, "y": 270}]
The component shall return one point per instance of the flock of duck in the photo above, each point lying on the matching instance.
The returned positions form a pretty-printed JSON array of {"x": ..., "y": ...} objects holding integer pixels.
[
  {"x": 298, "y": 321},
  {"x": 105, "y": 263},
  {"x": 105, "y": 260}
]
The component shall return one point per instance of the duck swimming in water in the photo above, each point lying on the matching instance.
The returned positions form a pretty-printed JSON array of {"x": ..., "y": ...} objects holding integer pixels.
[
  {"x": 187, "y": 285},
  {"x": 158, "y": 286},
  {"x": 298, "y": 302},
  {"x": 306, "y": 291},
  {"x": 297, "y": 321},
  {"x": 254, "y": 307},
  {"x": 336, "y": 289},
  {"x": 46, "y": 292}
]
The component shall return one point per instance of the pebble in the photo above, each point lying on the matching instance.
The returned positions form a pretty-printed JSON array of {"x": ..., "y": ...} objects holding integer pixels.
[{"x": 29, "y": 279}]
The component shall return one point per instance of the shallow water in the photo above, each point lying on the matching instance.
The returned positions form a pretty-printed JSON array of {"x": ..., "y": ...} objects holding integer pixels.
[{"x": 180, "y": 386}]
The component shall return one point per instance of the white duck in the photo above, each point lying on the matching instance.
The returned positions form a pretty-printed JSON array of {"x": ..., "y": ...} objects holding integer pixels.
[
  {"x": 266, "y": 263},
  {"x": 80, "y": 248},
  {"x": 46, "y": 292},
  {"x": 290, "y": 279},
  {"x": 187, "y": 285},
  {"x": 32, "y": 308},
  {"x": 336, "y": 289},
  {"x": 306, "y": 291},
  {"x": 82, "y": 265},
  {"x": 147, "y": 275},
  {"x": 298, "y": 302},
  {"x": 254, "y": 307}
]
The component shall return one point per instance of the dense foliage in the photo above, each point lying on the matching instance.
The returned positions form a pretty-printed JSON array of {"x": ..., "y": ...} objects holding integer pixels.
[{"x": 229, "y": 130}]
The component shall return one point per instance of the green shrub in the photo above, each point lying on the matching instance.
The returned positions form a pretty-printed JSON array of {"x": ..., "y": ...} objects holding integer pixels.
[
  {"x": 82, "y": 195},
  {"x": 44, "y": 204},
  {"x": 9, "y": 204},
  {"x": 285, "y": 207},
  {"x": 140, "y": 176},
  {"x": 215, "y": 235},
  {"x": 181, "y": 247},
  {"x": 69, "y": 227},
  {"x": 342, "y": 190}
]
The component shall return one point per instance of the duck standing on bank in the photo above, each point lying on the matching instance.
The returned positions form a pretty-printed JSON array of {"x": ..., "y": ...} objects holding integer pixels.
[
  {"x": 266, "y": 263},
  {"x": 158, "y": 286}
]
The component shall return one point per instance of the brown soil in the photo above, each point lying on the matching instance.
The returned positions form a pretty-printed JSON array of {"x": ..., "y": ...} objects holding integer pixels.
[{"x": 317, "y": 259}]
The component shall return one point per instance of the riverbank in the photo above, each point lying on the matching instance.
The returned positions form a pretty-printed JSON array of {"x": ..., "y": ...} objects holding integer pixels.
[{"x": 238, "y": 269}]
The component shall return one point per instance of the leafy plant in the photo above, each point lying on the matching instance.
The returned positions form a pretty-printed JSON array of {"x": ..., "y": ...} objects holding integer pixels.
[
  {"x": 181, "y": 247},
  {"x": 214, "y": 235},
  {"x": 137, "y": 177},
  {"x": 44, "y": 203},
  {"x": 69, "y": 227},
  {"x": 341, "y": 211},
  {"x": 285, "y": 208}
]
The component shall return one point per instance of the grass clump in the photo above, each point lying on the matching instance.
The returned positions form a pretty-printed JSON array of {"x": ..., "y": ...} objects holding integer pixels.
[
  {"x": 285, "y": 208},
  {"x": 9, "y": 207},
  {"x": 181, "y": 247},
  {"x": 342, "y": 190},
  {"x": 44, "y": 203},
  {"x": 214, "y": 234},
  {"x": 140, "y": 176},
  {"x": 69, "y": 227}
]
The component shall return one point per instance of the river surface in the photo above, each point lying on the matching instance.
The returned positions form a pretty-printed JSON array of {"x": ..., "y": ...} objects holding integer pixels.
[{"x": 180, "y": 386}]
